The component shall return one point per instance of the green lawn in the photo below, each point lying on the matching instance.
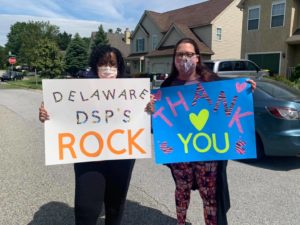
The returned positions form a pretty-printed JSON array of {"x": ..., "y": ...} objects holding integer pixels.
[{"x": 28, "y": 82}]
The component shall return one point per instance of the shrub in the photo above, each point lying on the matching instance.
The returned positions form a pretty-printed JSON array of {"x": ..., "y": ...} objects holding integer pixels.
[
  {"x": 295, "y": 84},
  {"x": 296, "y": 74}
]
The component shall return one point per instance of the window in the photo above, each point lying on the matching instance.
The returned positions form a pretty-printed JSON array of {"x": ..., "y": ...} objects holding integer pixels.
[
  {"x": 140, "y": 45},
  {"x": 253, "y": 18},
  {"x": 154, "y": 41},
  {"x": 210, "y": 65},
  {"x": 252, "y": 67},
  {"x": 219, "y": 34},
  {"x": 239, "y": 66},
  {"x": 277, "y": 18},
  {"x": 225, "y": 66}
]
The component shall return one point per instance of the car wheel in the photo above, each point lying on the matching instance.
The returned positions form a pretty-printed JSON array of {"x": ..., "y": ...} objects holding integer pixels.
[{"x": 259, "y": 148}]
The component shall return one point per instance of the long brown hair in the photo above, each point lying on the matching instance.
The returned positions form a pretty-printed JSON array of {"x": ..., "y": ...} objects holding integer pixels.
[{"x": 204, "y": 73}]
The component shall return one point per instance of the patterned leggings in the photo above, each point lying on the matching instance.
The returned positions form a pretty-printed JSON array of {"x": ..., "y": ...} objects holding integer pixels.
[{"x": 205, "y": 175}]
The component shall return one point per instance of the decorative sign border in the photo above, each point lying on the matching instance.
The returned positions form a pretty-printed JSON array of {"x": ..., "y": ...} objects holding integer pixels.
[{"x": 204, "y": 121}]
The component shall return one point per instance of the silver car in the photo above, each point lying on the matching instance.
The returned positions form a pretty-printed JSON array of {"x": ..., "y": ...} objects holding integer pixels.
[{"x": 235, "y": 68}]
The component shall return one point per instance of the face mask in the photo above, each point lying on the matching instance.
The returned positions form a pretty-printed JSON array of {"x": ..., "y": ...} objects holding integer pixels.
[
  {"x": 107, "y": 72},
  {"x": 185, "y": 65}
]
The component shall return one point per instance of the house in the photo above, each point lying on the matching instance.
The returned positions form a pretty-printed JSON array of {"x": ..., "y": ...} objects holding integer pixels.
[
  {"x": 215, "y": 25},
  {"x": 271, "y": 34},
  {"x": 120, "y": 41}
]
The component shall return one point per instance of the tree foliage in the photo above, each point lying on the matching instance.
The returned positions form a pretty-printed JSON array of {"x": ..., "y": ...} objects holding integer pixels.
[
  {"x": 24, "y": 36},
  {"x": 15, "y": 37},
  {"x": 296, "y": 74},
  {"x": 63, "y": 40},
  {"x": 118, "y": 30},
  {"x": 76, "y": 57},
  {"x": 48, "y": 58},
  {"x": 100, "y": 37},
  {"x": 3, "y": 58},
  {"x": 87, "y": 41}
]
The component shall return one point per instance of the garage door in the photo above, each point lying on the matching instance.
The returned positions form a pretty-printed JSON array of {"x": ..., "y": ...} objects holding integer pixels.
[
  {"x": 159, "y": 68},
  {"x": 269, "y": 61}
]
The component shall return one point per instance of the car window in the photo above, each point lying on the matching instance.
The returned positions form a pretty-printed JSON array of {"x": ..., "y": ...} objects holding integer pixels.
[
  {"x": 225, "y": 66},
  {"x": 239, "y": 66},
  {"x": 278, "y": 90},
  {"x": 210, "y": 65},
  {"x": 250, "y": 66},
  {"x": 259, "y": 94}
]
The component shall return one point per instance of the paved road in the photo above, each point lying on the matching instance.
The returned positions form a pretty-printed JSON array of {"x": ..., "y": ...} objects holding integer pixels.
[{"x": 264, "y": 193}]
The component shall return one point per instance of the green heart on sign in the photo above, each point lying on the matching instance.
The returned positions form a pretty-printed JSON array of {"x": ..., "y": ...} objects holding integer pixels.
[{"x": 199, "y": 120}]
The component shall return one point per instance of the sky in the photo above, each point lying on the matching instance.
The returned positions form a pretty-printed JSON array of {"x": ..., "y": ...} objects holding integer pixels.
[{"x": 82, "y": 16}]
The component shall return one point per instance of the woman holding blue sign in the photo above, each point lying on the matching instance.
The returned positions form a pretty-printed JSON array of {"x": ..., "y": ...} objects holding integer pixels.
[
  {"x": 104, "y": 181},
  {"x": 208, "y": 177}
]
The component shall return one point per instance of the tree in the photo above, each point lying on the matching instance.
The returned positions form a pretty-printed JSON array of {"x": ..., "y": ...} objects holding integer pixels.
[
  {"x": 296, "y": 74},
  {"x": 48, "y": 58},
  {"x": 23, "y": 38},
  {"x": 87, "y": 41},
  {"x": 14, "y": 37},
  {"x": 100, "y": 37},
  {"x": 76, "y": 57},
  {"x": 3, "y": 58},
  {"x": 118, "y": 30},
  {"x": 110, "y": 30},
  {"x": 63, "y": 40}
]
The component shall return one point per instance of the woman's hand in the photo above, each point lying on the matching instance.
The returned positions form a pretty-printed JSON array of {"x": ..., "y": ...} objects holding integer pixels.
[
  {"x": 43, "y": 114},
  {"x": 253, "y": 84},
  {"x": 150, "y": 106}
]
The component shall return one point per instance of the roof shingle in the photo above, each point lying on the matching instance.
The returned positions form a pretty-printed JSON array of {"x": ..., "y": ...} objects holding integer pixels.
[{"x": 192, "y": 16}]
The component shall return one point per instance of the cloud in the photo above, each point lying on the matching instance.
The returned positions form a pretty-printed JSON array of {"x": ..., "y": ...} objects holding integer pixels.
[
  {"x": 72, "y": 26},
  {"x": 82, "y": 16}
]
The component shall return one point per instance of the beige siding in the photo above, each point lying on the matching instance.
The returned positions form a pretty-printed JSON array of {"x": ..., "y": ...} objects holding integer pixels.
[
  {"x": 267, "y": 39},
  {"x": 230, "y": 21}
]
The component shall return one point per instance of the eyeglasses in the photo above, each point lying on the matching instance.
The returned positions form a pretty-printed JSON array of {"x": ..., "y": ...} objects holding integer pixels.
[{"x": 185, "y": 54}]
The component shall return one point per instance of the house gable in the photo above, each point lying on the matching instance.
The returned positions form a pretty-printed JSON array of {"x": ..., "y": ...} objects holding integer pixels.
[
  {"x": 169, "y": 27},
  {"x": 171, "y": 37},
  {"x": 147, "y": 29},
  {"x": 140, "y": 33},
  {"x": 226, "y": 31}
]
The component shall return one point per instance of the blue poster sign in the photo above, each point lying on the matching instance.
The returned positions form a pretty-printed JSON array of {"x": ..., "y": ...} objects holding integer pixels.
[{"x": 204, "y": 121}]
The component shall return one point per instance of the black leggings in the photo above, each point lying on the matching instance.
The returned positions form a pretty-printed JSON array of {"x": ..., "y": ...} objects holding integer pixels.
[{"x": 101, "y": 182}]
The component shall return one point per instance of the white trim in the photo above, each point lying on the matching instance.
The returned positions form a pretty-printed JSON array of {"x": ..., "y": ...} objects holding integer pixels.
[
  {"x": 259, "y": 13},
  {"x": 139, "y": 26},
  {"x": 277, "y": 2},
  {"x": 137, "y": 49},
  {"x": 265, "y": 53},
  {"x": 221, "y": 34},
  {"x": 152, "y": 38}
]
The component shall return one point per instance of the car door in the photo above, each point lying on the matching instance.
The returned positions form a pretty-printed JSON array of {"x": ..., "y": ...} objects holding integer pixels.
[
  {"x": 225, "y": 69},
  {"x": 244, "y": 68},
  {"x": 251, "y": 68}
]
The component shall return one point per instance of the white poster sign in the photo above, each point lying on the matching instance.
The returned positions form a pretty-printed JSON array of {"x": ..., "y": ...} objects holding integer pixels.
[{"x": 96, "y": 119}]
